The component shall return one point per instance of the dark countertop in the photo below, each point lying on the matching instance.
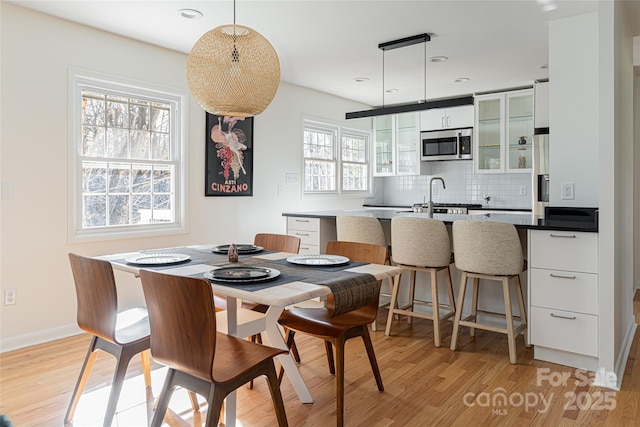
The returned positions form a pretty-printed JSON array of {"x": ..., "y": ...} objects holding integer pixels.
[
  {"x": 520, "y": 220},
  {"x": 485, "y": 208}
]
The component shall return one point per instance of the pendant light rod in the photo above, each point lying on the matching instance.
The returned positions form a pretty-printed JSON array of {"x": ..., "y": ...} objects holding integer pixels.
[{"x": 425, "y": 73}]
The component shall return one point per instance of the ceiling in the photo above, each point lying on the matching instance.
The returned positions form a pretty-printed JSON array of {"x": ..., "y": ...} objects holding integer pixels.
[{"x": 325, "y": 44}]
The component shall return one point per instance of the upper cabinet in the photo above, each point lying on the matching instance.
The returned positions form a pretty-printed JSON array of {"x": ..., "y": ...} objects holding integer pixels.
[
  {"x": 447, "y": 118},
  {"x": 396, "y": 147},
  {"x": 503, "y": 132}
]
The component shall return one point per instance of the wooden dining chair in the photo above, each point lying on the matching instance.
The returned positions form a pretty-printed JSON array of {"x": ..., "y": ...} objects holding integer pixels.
[
  {"x": 184, "y": 338},
  {"x": 365, "y": 229},
  {"x": 335, "y": 331},
  {"x": 277, "y": 242},
  {"x": 122, "y": 335}
]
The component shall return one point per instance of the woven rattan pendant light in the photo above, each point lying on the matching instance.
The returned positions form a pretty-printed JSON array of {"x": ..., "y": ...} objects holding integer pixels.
[{"x": 233, "y": 70}]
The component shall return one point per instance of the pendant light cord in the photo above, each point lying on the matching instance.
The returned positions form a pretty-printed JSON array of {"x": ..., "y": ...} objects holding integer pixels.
[{"x": 383, "y": 78}]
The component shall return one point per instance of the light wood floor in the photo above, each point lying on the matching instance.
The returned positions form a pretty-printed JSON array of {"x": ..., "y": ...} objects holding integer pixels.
[{"x": 424, "y": 386}]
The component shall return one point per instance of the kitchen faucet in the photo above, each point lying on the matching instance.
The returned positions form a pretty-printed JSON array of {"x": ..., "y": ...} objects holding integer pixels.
[{"x": 430, "y": 207}]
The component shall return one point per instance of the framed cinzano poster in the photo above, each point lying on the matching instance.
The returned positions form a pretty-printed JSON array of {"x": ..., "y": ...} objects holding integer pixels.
[{"x": 229, "y": 156}]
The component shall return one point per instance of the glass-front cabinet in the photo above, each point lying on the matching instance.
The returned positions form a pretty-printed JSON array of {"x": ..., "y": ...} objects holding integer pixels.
[
  {"x": 504, "y": 132},
  {"x": 396, "y": 148}
]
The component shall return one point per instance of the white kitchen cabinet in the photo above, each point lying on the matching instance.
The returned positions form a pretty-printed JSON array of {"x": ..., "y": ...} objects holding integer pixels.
[
  {"x": 396, "y": 146},
  {"x": 503, "y": 132},
  {"x": 563, "y": 297},
  {"x": 314, "y": 233},
  {"x": 447, "y": 118}
]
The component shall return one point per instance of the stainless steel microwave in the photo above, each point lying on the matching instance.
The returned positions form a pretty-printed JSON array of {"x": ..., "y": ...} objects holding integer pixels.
[{"x": 449, "y": 144}]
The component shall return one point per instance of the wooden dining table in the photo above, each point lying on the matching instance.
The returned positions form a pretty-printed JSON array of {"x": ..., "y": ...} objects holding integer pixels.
[{"x": 294, "y": 285}]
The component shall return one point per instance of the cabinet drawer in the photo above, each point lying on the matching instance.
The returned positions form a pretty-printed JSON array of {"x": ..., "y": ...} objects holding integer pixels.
[
  {"x": 306, "y": 237},
  {"x": 309, "y": 249},
  {"x": 573, "y": 332},
  {"x": 566, "y": 290},
  {"x": 296, "y": 223},
  {"x": 564, "y": 250}
]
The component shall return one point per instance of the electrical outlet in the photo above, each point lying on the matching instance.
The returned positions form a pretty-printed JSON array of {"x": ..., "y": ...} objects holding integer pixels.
[
  {"x": 10, "y": 296},
  {"x": 523, "y": 190},
  {"x": 567, "y": 191}
]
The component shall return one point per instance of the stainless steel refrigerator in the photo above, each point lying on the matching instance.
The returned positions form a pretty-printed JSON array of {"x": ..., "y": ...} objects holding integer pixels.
[{"x": 540, "y": 173}]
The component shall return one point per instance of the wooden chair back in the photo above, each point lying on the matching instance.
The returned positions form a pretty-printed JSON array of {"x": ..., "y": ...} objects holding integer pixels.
[
  {"x": 358, "y": 252},
  {"x": 96, "y": 295},
  {"x": 277, "y": 242},
  {"x": 183, "y": 327}
]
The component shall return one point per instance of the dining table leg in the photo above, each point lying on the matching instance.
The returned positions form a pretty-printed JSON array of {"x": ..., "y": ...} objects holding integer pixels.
[
  {"x": 275, "y": 338},
  {"x": 232, "y": 329}
]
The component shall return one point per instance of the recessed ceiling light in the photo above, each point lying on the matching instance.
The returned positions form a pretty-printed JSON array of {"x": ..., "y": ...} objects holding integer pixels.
[
  {"x": 438, "y": 59},
  {"x": 361, "y": 79},
  {"x": 543, "y": 66},
  {"x": 190, "y": 13},
  {"x": 461, "y": 79},
  {"x": 391, "y": 90}
]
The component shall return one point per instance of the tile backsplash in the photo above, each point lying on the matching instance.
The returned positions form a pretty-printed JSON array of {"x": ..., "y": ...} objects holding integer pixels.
[{"x": 462, "y": 186}]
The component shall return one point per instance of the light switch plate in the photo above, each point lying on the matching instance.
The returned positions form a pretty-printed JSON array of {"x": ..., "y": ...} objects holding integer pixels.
[{"x": 291, "y": 178}]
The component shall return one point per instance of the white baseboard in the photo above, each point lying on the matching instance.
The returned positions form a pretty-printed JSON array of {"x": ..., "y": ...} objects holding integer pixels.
[
  {"x": 621, "y": 362},
  {"x": 27, "y": 340}
]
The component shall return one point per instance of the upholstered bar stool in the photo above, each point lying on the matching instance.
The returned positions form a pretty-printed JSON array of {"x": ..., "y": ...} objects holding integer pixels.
[
  {"x": 491, "y": 251},
  {"x": 364, "y": 229},
  {"x": 422, "y": 244}
]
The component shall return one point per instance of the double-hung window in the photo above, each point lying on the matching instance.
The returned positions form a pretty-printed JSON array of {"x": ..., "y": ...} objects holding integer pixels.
[
  {"x": 336, "y": 160},
  {"x": 320, "y": 157},
  {"x": 355, "y": 161},
  {"x": 127, "y": 145}
]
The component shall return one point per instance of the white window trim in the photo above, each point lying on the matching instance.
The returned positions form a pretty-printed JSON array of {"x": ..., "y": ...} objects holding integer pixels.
[
  {"x": 366, "y": 134},
  {"x": 336, "y": 155},
  {"x": 77, "y": 79},
  {"x": 339, "y": 129}
]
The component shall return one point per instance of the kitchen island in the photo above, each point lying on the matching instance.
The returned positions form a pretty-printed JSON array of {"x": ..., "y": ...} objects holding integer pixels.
[
  {"x": 561, "y": 282},
  {"x": 520, "y": 220}
]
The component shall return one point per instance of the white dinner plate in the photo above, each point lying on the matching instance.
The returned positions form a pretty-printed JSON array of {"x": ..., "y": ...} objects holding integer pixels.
[
  {"x": 243, "y": 276},
  {"x": 157, "y": 259},
  {"x": 318, "y": 260}
]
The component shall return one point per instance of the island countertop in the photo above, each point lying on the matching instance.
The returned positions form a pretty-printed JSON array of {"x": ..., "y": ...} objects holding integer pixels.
[{"x": 520, "y": 220}]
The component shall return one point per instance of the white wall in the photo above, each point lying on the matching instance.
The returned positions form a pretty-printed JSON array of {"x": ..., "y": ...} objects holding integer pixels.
[
  {"x": 573, "y": 109},
  {"x": 620, "y": 124},
  {"x": 34, "y": 247}
]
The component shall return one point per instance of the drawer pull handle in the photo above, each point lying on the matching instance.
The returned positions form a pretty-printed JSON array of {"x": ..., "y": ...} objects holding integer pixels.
[
  {"x": 563, "y": 317},
  {"x": 568, "y": 236},
  {"x": 301, "y": 220},
  {"x": 560, "y": 276},
  {"x": 302, "y": 234}
]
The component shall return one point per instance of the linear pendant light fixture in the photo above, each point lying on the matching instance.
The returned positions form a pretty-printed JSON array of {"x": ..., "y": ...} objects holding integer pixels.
[
  {"x": 233, "y": 70},
  {"x": 421, "y": 105}
]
